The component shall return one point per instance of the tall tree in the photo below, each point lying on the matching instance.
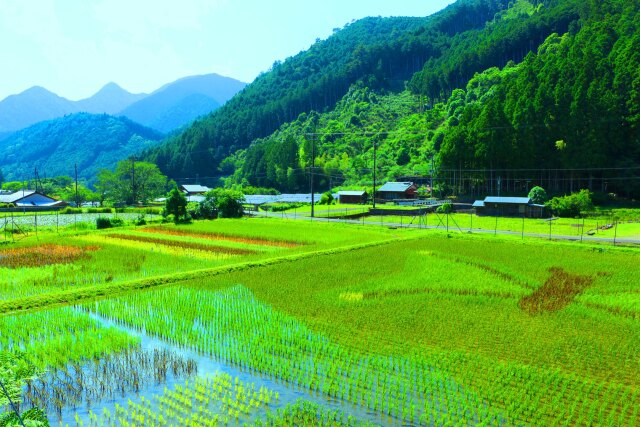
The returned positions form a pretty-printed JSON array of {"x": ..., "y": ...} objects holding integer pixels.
[{"x": 132, "y": 182}]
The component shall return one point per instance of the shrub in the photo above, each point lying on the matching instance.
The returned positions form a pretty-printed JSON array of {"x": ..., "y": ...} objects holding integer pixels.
[
  {"x": 279, "y": 207},
  {"x": 572, "y": 205},
  {"x": 538, "y": 195},
  {"x": 99, "y": 210},
  {"x": 69, "y": 210},
  {"x": 228, "y": 203},
  {"x": 326, "y": 199},
  {"x": 102, "y": 222},
  {"x": 141, "y": 220},
  {"x": 445, "y": 208}
]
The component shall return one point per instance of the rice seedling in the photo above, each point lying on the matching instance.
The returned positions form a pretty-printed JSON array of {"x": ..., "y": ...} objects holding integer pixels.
[
  {"x": 304, "y": 413},
  {"x": 54, "y": 338},
  {"x": 83, "y": 383},
  {"x": 231, "y": 325},
  {"x": 202, "y": 401}
]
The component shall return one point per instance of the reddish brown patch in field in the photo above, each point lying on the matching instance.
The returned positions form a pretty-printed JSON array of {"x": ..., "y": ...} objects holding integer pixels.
[
  {"x": 557, "y": 292},
  {"x": 184, "y": 245},
  {"x": 37, "y": 256},
  {"x": 219, "y": 236}
]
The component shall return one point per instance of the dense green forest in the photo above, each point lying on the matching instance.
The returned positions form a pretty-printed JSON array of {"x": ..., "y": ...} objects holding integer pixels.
[
  {"x": 90, "y": 141},
  {"x": 496, "y": 98},
  {"x": 381, "y": 52}
]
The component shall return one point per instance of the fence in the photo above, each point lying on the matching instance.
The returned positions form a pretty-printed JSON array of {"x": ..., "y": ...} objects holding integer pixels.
[
  {"x": 13, "y": 225},
  {"x": 605, "y": 230}
]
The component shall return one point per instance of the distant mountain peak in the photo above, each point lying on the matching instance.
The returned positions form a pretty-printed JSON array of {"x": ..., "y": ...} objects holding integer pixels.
[{"x": 36, "y": 90}]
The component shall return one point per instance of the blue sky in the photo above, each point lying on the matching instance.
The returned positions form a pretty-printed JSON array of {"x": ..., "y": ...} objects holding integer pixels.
[{"x": 74, "y": 47}]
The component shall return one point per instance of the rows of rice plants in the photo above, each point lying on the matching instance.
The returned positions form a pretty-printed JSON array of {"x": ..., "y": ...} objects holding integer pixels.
[
  {"x": 57, "y": 337},
  {"x": 83, "y": 383},
  {"x": 163, "y": 249},
  {"x": 181, "y": 244},
  {"x": 231, "y": 325},
  {"x": 173, "y": 231},
  {"x": 202, "y": 401},
  {"x": 421, "y": 298},
  {"x": 305, "y": 413}
]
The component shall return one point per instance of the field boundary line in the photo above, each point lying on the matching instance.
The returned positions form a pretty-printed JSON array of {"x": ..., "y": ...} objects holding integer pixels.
[{"x": 108, "y": 290}]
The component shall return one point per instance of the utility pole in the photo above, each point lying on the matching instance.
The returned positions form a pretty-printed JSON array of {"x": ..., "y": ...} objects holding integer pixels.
[
  {"x": 374, "y": 172},
  {"x": 432, "y": 185},
  {"x": 313, "y": 169},
  {"x": 75, "y": 167},
  {"x": 133, "y": 180}
]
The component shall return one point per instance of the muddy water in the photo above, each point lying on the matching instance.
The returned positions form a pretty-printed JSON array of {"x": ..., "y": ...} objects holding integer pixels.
[{"x": 289, "y": 393}]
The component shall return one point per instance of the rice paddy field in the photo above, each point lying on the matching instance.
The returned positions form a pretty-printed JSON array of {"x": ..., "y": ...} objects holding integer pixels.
[{"x": 274, "y": 322}]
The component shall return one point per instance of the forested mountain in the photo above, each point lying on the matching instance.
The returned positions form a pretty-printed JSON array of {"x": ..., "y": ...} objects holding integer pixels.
[
  {"x": 499, "y": 96},
  {"x": 37, "y": 104},
  {"x": 111, "y": 99},
  {"x": 31, "y": 106},
  {"x": 566, "y": 117},
  {"x": 179, "y": 103},
  {"x": 381, "y": 52},
  {"x": 91, "y": 141}
]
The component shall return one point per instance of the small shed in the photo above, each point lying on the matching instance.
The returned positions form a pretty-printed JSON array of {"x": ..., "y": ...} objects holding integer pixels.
[
  {"x": 194, "y": 190},
  {"x": 353, "y": 197},
  {"x": 509, "y": 206},
  {"x": 397, "y": 191}
]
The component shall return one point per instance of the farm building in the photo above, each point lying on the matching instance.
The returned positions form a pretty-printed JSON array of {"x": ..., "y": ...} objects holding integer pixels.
[
  {"x": 509, "y": 206},
  {"x": 353, "y": 197},
  {"x": 397, "y": 191},
  {"x": 194, "y": 190},
  {"x": 31, "y": 199}
]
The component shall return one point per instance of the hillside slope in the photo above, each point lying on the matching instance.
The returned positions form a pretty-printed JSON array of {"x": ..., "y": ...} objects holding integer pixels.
[
  {"x": 566, "y": 117},
  {"x": 91, "y": 141},
  {"x": 111, "y": 99},
  {"x": 31, "y": 106},
  {"x": 381, "y": 52},
  {"x": 179, "y": 103}
]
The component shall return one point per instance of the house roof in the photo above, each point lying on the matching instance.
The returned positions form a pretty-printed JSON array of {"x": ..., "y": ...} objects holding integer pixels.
[
  {"x": 396, "y": 187},
  {"x": 352, "y": 193},
  {"x": 195, "y": 188},
  {"x": 508, "y": 200},
  {"x": 259, "y": 199},
  {"x": 18, "y": 195},
  {"x": 478, "y": 204}
]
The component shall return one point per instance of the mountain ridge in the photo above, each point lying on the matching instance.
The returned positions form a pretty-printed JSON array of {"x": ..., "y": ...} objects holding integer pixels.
[
  {"x": 38, "y": 104},
  {"x": 92, "y": 141}
]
